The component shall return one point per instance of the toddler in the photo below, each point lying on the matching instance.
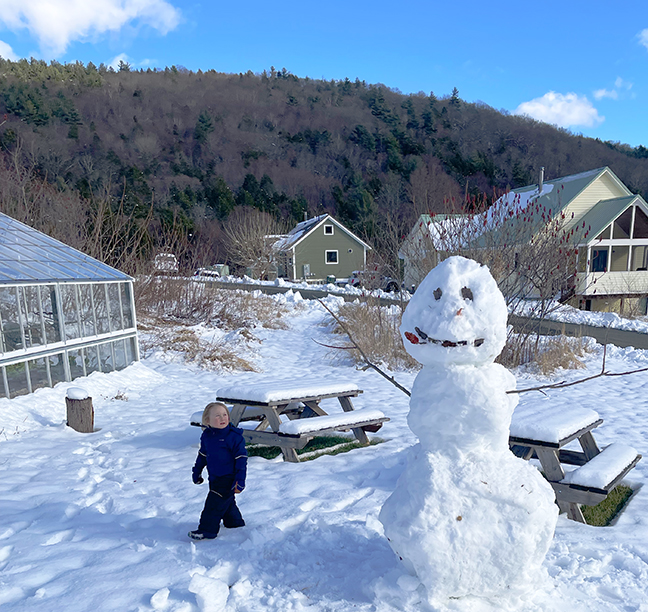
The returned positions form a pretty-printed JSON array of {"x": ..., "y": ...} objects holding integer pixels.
[{"x": 222, "y": 450}]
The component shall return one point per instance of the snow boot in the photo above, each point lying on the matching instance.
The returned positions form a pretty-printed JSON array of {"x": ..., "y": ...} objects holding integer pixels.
[{"x": 201, "y": 535}]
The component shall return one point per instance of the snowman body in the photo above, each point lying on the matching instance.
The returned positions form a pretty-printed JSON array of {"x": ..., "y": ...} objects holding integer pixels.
[{"x": 467, "y": 516}]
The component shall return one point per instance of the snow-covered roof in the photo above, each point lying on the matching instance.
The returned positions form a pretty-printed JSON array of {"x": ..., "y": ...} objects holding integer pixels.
[
  {"x": 29, "y": 255},
  {"x": 303, "y": 229},
  {"x": 298, "y": 232}
]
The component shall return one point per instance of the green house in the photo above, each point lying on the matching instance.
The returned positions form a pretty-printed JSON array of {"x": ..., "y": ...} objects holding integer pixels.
[
  {"x": 320, "y": 248},
  {"x": 63, "y": 314}
]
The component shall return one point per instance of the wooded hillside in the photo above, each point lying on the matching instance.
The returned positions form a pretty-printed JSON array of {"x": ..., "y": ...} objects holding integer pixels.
[{"x": 165, "y": 156}]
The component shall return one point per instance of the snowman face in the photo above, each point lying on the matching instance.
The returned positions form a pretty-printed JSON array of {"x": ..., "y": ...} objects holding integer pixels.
[{"x": 457, "y": 316}]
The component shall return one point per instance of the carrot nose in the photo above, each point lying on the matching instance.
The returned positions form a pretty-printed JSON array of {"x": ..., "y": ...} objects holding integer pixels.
[{"x": 459, "y": 312}]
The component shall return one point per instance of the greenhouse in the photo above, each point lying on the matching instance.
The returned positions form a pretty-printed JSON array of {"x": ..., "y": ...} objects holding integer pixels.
[{"x": 63, "y": 314}]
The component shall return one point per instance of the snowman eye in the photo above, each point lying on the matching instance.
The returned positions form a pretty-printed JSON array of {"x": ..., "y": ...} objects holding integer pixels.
[
  {"x": 438, "y": 293},
  {"x": 466, "y": 294}
]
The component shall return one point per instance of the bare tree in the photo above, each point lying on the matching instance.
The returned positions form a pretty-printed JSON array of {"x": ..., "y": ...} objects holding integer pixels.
[{"x": 250, "y": 236}]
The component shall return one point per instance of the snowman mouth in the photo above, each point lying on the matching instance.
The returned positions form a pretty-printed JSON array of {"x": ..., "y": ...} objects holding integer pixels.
[{"x": 422, "y": 338}]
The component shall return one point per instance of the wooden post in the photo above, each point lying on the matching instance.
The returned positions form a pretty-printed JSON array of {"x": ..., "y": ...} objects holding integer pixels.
[{"x": 80, "y": 413}]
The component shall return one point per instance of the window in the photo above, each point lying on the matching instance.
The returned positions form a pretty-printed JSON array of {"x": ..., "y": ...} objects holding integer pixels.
[
  {"x": 622, "y": 225},
  {"x": 640, "y": 224},
  {"x": 599, "y": 259},
  {"x": 605, "y": 234},
  {"x": 328, "y": 230},
  {"x": 639, "y": 258},
  {"x": 619, "y": 258},
  {"x": 331, "y": 257}
]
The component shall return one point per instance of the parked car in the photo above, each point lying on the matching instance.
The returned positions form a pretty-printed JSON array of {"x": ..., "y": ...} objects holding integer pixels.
[
  {"x": 165, "y": 263},
  {"x": 360, "y": 278},
  {"x": 206, "y": 274}
]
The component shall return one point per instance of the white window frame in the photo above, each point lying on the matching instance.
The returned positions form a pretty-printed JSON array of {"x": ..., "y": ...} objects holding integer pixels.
[
  {"x": 327, "y": 233},
  {"x": 337, "y": 258}
]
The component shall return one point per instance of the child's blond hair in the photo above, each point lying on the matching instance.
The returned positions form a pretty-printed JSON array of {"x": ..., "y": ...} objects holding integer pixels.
[{"x": 207, "y": 412}]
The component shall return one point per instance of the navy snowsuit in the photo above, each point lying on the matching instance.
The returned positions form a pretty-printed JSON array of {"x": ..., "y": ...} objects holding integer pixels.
[{"x": 223, "y": 452}]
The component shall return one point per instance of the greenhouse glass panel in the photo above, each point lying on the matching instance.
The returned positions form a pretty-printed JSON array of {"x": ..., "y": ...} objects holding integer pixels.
[
  {"x": 75, "y": 359},
  {"x": 101, "y": 308},
  {"x": 126, "y": 305},
  {"x": 120, "y": 355},
  {"x": 114, "y": 308},
  {"x": 87, "y": 310},
  {"x": 17, "y": 379},
  {"x": 38, "y": 374},
  {"x": 50, "y": 314},
  {"x": 57, "y": 368},
  {"x": 11, "y": 336},
  {"x": 91, "y": 357},
  {"x": 70, "y": 312},
  {"x": 130, "y": 350},
  {"x": 3, "y": 392},
  {"x": 33, "y": 320},
  {"x": 106, "y": 357}
]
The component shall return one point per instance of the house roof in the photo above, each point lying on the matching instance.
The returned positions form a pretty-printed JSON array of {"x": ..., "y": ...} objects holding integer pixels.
[
  {"x": 606, "y": 211},
  {"x": 27, "y": 255},
  {"x": 303, "y": 229},
  {"x": 556, "y": 195}
]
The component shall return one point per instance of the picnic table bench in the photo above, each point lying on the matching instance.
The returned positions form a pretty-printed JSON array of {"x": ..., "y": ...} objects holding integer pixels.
[
  {"x": 258, "y": 409},
  {"x": 542, "y": 435}
]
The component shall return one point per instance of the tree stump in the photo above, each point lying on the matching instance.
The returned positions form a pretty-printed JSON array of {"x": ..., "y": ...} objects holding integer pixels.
[{"x": 80, "y": 412}]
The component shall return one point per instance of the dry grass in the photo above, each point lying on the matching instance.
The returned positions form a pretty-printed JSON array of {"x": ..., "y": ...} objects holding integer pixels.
[
  {"x": 210, "y": 355},
  {"x": 190, "y": 302},
  {"x": 544, "y": 354},
  {"x": 167, "y": 308},
  {"x": 375, "y": 329}
]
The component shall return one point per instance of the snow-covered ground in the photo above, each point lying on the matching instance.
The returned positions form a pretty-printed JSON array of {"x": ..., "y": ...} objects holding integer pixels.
[
  {"x": 558, "y": 312},
  {"x": 99, "y": 521}
]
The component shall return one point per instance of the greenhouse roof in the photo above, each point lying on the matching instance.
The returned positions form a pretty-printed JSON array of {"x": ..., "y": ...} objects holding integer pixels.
[{"x": 29, "y": 255}]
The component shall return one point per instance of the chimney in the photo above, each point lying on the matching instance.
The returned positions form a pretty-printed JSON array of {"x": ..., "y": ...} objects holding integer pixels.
[{"x": 540, "y": 183}]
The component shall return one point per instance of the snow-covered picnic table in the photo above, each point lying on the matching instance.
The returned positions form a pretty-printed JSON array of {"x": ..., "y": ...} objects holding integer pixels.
[
  {"x": 292, "y": 413},
  {"x": 543, "y": 433}
]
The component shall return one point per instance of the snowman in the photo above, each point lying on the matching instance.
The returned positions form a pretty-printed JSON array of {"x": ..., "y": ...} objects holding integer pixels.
[{"x": 467, "y": 516}]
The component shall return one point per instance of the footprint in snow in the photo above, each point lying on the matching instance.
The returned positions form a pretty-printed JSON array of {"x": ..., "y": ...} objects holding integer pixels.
[{"x": 58, "y": 537}]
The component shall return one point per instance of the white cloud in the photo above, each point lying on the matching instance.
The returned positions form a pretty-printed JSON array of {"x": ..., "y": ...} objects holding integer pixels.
[
  {"x": 57, "y": 23},
  {"x": 643, "y": 37},
  {"x": 7, "y": 52},
  {"x": 606, "y": 93},
  {"x": 564, "y": 110},
  {"x": 122, "y": 57},
  {"x": 620, "y": 86}
]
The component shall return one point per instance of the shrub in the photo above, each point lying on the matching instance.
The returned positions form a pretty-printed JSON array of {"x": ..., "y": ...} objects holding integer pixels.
[
  {"x": 375, "y": 329},
  {"x": 167, "y": 308}
]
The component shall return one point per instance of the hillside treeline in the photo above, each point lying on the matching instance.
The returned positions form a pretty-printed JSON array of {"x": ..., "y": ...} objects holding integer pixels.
[{"x": 165, "y": 156}]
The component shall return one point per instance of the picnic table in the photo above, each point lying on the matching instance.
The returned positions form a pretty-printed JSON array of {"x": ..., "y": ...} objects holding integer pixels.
[
  {"x": 544, "y": 434},
  {"x": 258, "y": 409}
]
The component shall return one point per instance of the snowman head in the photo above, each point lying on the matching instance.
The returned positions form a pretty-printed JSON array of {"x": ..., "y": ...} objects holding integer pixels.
[{"x": 457, "y": 316}]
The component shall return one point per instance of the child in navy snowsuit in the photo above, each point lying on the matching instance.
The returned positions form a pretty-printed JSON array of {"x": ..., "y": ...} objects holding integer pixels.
[{"x": 222, "y": 450}]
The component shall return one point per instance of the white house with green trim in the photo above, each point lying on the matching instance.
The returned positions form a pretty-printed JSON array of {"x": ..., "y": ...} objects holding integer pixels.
[
  {"x": 612, "y": 258},
  {"x": 319, "y": 248}
]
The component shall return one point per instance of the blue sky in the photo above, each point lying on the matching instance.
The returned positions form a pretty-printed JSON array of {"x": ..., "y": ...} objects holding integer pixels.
[{"x": 580, "y": 65}]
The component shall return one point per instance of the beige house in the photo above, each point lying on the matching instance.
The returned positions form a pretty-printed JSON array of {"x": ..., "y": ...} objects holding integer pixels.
[
  {"x": 610, "y": 226},
  {"x": 319, "y": 248}
]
